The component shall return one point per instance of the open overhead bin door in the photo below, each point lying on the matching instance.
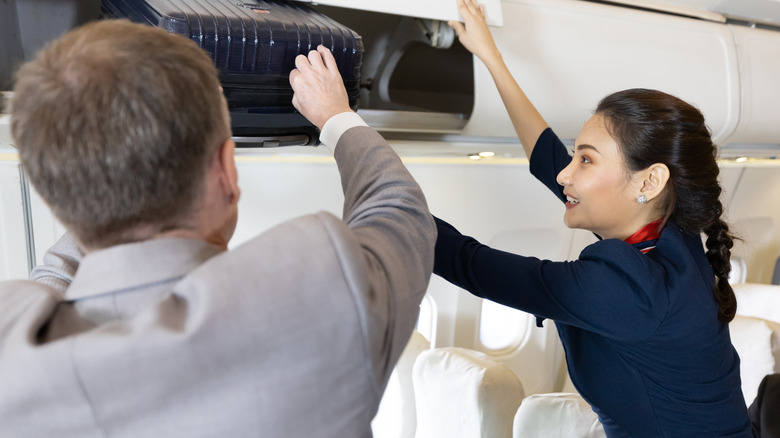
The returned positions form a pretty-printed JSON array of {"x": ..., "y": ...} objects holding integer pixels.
[
  {"x": 443, "y": 10},
  {"x": 568, "y": 54}
]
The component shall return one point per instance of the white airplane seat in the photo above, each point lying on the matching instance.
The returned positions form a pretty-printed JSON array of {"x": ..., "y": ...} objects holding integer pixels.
[
  {"x": 738, "y": 272},
  {"x": 556, "y": 415},
  {"x": 758, "y": 300},
  {"x": 396, "y": 416},
  {"x": 757, "y": 342},
  {"x": 464, "y": 393}
]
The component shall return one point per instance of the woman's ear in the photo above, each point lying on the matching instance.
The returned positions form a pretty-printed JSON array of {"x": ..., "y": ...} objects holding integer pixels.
[{"x": 656, "y": 177}]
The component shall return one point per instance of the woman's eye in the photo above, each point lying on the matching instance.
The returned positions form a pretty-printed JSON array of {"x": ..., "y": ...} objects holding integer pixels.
[{"x": 584, "y": 159}]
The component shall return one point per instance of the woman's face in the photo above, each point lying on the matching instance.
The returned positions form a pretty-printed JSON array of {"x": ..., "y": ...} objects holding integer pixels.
[{"x": 601, "y": 194}]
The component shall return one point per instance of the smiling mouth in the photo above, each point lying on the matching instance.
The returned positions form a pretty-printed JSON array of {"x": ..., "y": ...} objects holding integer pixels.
[{"x": 571, "y": 200}]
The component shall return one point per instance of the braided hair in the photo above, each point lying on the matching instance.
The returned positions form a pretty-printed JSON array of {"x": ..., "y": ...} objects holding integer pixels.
[{"x": 654, "y": 127}]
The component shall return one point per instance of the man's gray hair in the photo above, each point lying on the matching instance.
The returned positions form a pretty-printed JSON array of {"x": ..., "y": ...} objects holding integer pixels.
[{"x": 115, "y": 123}]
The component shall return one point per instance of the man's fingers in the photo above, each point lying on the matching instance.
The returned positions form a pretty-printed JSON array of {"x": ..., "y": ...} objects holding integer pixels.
[
  {"x": 315, "y": 59},
  {"x": 293, "y": 75},
  {"x": 327, "y": 58},
  {"x": 302, "y": 62}
]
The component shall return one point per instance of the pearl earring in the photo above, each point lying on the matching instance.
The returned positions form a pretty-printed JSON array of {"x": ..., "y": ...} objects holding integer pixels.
[{"x": 642, "y": 199}]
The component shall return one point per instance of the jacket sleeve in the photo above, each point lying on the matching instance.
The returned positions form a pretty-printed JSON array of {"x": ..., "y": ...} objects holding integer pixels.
[
  {"x": 60, "y": 263},
  {"x": 611, "y": 289},
  {"x": 548, "y": 159},
  {"x": 387, "y": 214}
]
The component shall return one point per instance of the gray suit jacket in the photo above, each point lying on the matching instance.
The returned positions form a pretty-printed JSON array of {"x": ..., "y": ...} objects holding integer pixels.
[{"x": 293, "y": 334}]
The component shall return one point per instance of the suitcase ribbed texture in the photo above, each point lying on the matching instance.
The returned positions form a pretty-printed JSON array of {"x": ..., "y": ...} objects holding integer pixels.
[{"x": 253, "y": 43}]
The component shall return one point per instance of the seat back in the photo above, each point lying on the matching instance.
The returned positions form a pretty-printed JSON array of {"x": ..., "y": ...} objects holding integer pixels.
[
  {"x": 464, "y": 393},
  {"x": 397, "y": 417}
]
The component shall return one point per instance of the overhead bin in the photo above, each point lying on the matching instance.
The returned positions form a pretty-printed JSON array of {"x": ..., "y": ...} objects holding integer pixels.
[
  {"x": 415, "y": 76},
  {"x": 253, "y": 46},
  {"x": 759, "y": 69},
  {"x": 569, "y": 54}
]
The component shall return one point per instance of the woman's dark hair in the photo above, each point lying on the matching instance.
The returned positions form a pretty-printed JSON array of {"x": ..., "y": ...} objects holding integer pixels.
[{"x": 650, "y": 127}]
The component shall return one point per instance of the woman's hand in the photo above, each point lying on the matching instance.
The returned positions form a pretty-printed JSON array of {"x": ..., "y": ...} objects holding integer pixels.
[{"x": 475, "y": 34}]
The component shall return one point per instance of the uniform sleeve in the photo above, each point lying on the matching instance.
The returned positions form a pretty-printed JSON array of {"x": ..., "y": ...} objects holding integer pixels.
[
  {"x": 387, "y": 214},
  {"x": 611, "y": 289},
  {"x": 548, "y": 159}
]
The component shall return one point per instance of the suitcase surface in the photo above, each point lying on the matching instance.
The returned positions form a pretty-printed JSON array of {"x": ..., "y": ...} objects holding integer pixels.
[{"x": 253, "y": 45}]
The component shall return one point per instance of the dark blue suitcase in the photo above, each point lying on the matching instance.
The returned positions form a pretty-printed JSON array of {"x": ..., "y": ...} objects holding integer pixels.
[{"x": 253, "y": 45}]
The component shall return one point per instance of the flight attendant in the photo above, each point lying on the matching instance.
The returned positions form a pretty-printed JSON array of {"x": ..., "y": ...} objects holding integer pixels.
[{"x": 643, "y": 313}]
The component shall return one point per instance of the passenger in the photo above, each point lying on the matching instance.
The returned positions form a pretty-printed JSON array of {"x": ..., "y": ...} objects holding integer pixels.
[
  {"x": 763, "y": 411},
  {"x": 643, "y": 313},
  {"x": 143, "y": 323}
]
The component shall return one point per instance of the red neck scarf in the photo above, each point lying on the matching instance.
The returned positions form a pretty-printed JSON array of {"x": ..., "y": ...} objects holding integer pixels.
[{"x": 644, "y": 239}]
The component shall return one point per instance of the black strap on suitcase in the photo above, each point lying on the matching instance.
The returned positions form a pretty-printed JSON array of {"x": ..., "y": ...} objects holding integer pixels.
[{"x": 253, "y": 45}]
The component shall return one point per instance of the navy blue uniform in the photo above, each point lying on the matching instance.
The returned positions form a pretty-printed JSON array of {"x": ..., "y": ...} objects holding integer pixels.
[{"x": 641, "y": 334}]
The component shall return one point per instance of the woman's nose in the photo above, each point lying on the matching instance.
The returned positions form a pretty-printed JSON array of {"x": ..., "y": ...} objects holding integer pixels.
[{"x": 564, "y": 177}]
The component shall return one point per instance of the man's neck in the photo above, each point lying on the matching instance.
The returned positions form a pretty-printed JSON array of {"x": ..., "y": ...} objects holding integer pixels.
[{"x": 212, "y": 239}]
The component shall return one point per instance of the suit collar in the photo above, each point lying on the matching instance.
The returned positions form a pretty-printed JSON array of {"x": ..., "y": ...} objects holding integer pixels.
[{"x": 134, "y": 266}]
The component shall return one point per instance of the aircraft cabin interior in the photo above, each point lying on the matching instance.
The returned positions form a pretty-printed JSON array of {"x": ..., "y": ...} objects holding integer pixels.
[{"x": 438, "y": 107}]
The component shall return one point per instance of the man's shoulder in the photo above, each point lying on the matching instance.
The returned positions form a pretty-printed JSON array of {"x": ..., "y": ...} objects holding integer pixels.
[
  {"x": 319, "y": 238},
  {"x": 18, "y": 292},
  {"x": 24, "y": 300},
  {"x": 307, "y": 230}
]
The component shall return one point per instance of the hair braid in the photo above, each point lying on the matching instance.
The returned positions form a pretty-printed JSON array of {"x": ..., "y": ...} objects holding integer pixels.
[
  {"x": 719, "y": 244},
  {"x": 654, "y": 127}
]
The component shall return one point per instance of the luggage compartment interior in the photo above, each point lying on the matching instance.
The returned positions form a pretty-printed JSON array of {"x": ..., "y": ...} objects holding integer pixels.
[{"x": 410, "y": 64}]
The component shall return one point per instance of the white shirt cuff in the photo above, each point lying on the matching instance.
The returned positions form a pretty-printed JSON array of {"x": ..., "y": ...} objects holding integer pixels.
[{"x": 338, "y": 125}]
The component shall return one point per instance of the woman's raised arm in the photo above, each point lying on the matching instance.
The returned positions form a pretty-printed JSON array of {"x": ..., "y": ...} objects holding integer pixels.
[{"x": 476, "y": 38}]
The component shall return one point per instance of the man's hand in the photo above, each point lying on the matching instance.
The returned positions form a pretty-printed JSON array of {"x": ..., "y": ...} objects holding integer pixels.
[{"x": 319, "y": 92}]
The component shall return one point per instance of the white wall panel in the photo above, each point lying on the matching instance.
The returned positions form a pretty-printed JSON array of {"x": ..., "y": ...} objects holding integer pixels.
[
  {"x": 752, "y": 209},
  {"x": 276, "y": 189},
  {"x": 13, "y": 242},
  {"x": 46, "y": 228}
]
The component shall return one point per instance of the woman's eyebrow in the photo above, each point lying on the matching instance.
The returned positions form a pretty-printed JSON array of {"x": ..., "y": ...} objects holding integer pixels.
[{"x": 587, "y": 146}]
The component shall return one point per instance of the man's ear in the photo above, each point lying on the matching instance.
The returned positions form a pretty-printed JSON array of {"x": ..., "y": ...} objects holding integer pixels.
[
  {"x": 656, "y": 177},
  {"x": 228, "y": 172}
]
